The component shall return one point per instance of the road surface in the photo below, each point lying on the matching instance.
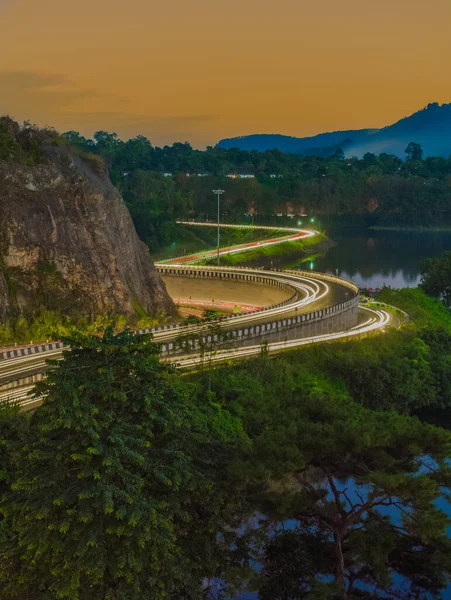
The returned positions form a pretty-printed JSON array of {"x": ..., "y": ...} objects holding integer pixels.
[
  {"x": 310, "y": 292},
  {"x": 293, "y": 234}
]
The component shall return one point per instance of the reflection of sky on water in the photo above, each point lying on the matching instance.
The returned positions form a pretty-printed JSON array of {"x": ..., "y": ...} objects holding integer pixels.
[
  {"x": 397, "y": 279},
  {"x": 378, "y": 258},
  {"x": 391, "y": 512}
]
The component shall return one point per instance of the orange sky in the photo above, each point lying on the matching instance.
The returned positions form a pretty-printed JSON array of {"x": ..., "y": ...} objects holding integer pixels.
[{"x": 176, "y": 70}]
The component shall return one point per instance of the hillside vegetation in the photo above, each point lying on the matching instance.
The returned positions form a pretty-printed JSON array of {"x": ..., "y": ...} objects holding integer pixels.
[
  {"x": 319, "y": 465},
  {"x": 430, "y": 127},
  {"x": 161, "y": 185},
  {"x": 68, "y": 246}
]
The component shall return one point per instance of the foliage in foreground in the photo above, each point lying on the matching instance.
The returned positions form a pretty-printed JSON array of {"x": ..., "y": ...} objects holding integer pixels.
[
  {"x": 355, "y": 488},
  {"x": 116, "y": 478},
  {"x": 132, "y": 481}
]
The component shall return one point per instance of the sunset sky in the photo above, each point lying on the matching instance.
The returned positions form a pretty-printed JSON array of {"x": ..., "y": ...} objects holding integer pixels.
[{"x": 202, "y": 70}]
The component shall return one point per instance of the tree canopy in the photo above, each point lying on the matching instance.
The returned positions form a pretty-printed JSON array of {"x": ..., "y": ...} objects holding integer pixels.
[
  {"x": 352, "y": 488},
  {"x": 116, "y": 481},
  {"x": 321, "y": 473},
  {"x": 161, "y": 185},
  {"x": 436, "y": 277}
]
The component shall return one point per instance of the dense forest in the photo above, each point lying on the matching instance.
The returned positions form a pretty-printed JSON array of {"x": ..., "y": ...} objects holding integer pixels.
[
  {"x": 162, "y": 184},
  {"x": 318, "y": 474},
  {"x": 131, "y": 485}
]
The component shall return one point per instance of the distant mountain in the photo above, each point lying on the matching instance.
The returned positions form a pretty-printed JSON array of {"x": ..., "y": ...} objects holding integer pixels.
[
  {"x": 430, "y": 127},
  {"x": 324, "y": 143}
]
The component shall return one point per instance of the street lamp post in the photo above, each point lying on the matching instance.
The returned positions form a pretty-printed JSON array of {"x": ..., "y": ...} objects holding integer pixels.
[{"x": 218, "y": 193}]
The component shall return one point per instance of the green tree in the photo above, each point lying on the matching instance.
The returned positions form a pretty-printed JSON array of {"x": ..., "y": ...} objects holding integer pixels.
[
  {"x": 206, "y": 336},
  {"x": 414, "y": 151},
  {"x": 13, "y": 428},
  {"x": 436, "y": 277},
  {"x": 370, "y": 487},
  {"x": 113, "y": 498},
  {"x": 365, "y": 482},
  {"x": 293, "y": 561},
  {"x": 77, "y": 140},
  {"x": 338, "y": 154}
]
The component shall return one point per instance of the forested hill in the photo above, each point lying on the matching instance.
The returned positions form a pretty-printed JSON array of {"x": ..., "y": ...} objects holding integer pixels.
[
  {"x": 323, "y": 144},
  {"x": 161, "y": 185},
  {"x": 430, "y": 127}
]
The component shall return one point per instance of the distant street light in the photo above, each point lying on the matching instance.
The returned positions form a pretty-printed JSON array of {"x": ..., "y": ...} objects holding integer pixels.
[{"x": 218, "y": 193}]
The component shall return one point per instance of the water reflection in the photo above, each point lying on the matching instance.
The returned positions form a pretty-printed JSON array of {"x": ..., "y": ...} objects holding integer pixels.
[{"x": 378, "y": 258}]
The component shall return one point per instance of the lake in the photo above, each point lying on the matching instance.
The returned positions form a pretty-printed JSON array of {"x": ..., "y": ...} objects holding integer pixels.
[{"x": 373, "y": 259}]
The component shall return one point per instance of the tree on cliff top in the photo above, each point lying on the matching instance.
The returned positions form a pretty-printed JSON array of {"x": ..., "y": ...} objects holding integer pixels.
[{"x": 114, "y": 496}]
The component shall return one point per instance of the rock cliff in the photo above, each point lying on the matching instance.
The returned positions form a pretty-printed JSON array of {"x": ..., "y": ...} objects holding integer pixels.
[{"x": 67, "y": 240}]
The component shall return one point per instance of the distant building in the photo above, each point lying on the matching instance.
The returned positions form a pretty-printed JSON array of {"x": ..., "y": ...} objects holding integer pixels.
[
  {"x": 167, "y": 174},
  {"x": 241, "y": 176}
]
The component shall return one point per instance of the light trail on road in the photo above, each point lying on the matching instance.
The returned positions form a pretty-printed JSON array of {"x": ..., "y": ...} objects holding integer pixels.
[
  {"x": 379, "y": 320},
  {"x": 296, "y": 235},
  {"x": 217, "y": 304},
  {"x": 312, "y": 294},
  {"x": 311, "y": 290}
]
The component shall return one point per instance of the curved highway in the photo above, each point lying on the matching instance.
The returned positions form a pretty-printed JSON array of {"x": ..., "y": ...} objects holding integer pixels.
[
  {"x": 376, "y": 320},
  {"x": 310, "y": 292},
  {"x": 294, "y": 234}
]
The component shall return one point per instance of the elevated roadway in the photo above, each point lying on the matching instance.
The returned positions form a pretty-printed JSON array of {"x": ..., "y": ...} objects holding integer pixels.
[
  {"x": 314, "y": 307},
  {"x": 310, "y": 295}
]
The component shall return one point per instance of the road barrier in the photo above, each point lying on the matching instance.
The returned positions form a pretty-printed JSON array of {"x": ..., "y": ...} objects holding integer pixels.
[
  {"x": 334, "y": 318},
  {"x": 30, "y": 350}
]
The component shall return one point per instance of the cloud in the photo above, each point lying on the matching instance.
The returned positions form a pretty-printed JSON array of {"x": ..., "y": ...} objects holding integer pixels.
[
  {"x": 30, "y": 79},
  {"x": 33, "y": 94},
  {"x": 52, "y": 99}
]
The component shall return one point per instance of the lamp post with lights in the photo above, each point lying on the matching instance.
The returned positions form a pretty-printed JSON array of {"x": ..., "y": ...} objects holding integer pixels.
[{"x": 218, "y": 194}]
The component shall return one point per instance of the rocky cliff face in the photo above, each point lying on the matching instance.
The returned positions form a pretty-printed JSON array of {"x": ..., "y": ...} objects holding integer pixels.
[{"x": 67, "y": 240}]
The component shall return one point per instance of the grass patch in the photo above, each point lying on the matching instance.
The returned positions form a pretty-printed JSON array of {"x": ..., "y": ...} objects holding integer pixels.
[
  {"x": 288, "y": 247},
  {"x": 424, "y": 310},
  {"x": 192, "y": 239}
]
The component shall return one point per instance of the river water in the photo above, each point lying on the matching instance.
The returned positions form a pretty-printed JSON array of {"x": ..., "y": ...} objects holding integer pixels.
[{"x": 373, "y": 259}]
